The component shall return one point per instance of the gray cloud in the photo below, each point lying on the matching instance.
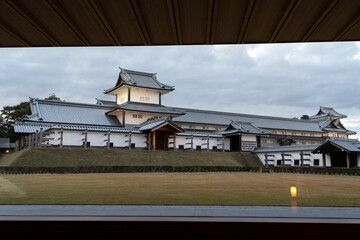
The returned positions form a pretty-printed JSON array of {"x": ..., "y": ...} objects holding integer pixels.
[{"x": 274, "y": 79}]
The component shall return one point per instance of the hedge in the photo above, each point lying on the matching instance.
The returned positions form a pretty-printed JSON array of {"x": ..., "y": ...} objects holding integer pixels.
[
  {"x": 123, "y": 169},
  {"x": 316, "y": 170}
]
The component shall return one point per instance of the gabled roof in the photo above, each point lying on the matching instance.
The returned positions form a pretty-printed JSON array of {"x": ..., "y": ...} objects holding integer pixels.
[
  {"x": 327, "y": 112},
  {"x": 152, "y": 124},
  {"x": 347, "y": 145},
  {"x": 293, "y": 148},
  {"x": 95, "y": 128},
  {"x": 287, "y": 138},
  {"x": 243, "y": 127},
  {"x": 139, "y": 79},
  {"x": 49, "y": 111},
  {"x": 105, "y": 102},
  {"x": 30, "y": 127},
  {"x": 264, "y": 122},
  {"x": 146, "y": 107}
]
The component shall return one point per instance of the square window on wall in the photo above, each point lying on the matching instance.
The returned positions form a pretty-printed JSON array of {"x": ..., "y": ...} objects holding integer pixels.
[
  {"x": 140, "y": 116},
  {"x": 135, "y": 116}
]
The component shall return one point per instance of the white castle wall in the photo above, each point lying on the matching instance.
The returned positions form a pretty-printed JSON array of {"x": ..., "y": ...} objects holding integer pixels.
[
  {"x": 137, "y": 93},
  {"x": 295, "y": 155},
  {"x": 122, "y": 96},
  {"x": 198, "y": 141}
]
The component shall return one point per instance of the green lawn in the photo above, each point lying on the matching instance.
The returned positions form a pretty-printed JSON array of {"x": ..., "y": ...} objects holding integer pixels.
[
  {"x": 69, "y": 157},
  {"x": 221, "y": 188}
]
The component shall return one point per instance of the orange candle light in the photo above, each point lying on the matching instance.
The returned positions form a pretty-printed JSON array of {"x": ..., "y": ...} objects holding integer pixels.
[{"x": 293, "y": 191}]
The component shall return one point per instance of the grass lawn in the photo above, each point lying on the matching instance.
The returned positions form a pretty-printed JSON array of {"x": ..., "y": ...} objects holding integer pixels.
[
  {"x": 69, "y": 157},
  {"x": 221, "y": 188}
]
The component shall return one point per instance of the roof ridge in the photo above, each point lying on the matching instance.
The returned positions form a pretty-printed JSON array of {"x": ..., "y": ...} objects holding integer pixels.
[
  {"x": 137, "y": 72},
  {"x": 249, "y": 115},
  {"x": 71, "y": 103}
]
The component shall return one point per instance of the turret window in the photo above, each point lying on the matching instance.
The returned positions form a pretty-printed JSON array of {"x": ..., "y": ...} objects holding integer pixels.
[
  {"x": 144, "y": 99},
  {"x": 137, "y": 116}
]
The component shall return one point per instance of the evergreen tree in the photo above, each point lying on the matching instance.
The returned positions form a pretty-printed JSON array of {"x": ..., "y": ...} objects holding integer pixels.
[{"x": 305, "y": 117}]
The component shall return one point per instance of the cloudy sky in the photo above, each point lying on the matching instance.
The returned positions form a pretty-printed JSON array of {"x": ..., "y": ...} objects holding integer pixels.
[{"x": 286, "y": 80}]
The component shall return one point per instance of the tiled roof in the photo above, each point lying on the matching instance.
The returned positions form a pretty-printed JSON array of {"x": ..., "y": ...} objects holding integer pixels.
[
  {"x": 95, "y": 128},
  {"x": 105, "y": 102},
  {"x": 68, "y": 112},
  {"x": 265, "y": 122},
  {"x": 243, "y": 127},
  {"x": 139, "y": 79},
  {"x": 349, "y": 145},
  {"x": 294, "y": 148},
  {"x": 327, "y": 111},
  {"x": 146, "y": 107},
  {"x": 153, "y": 123},
  {"x": 200, "y": 134},
  {"x": 30, "y": 127}
]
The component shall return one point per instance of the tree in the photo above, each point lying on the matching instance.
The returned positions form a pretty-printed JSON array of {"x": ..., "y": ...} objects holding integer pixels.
[
  {"x": 53, "y": 97},
  {"x": 11, "y": 114},
  {"x": 305, "y": 117}
]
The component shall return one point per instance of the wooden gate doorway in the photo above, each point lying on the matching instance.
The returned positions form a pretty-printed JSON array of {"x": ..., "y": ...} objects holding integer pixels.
[
  {"x": 235, "y": 143},
  {"x": 161, "y": 134},
  {"x": 162, "y": 140}
]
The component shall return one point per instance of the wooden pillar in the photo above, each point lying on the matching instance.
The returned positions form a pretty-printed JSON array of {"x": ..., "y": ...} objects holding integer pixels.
[
  {"x": 192, "y": 143},
  {"x": 324, "y": 159},
  {"x": 108, "y": 140},
  {"x": 266, "y": 160},
  {"x": 34, "y": 139},
  {"x": 40, "y": 137},
  {"x": 29, "y": 140},
  {"x": 85, "y": 138},
  {"x": 223, "y": 144},
  {"x": 301, "y": 159},
  {"x": 239, "y": 143},
  {"x": 208, "y": 143},
  {"x": 153, "y": 140},
  {"x": 283, "y": 159},
  {"x": 148, "y": 141},
  {"x": 174, "y": 141},
  {"x": 61, "y": 137},
  {"x": 130, "y": 140},
  {"x": 347, "y": 160},
  {"x": 37, "y": 138}
]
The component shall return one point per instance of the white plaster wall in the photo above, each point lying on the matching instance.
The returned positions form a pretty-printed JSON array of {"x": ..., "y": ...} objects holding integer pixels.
[
  {"x": 139, "y": 140},
  {"x": 136, "y": 93},
  {"x": 96, "y": 139},
  {"x": 294, "y": 156},
  {"x": 123, "y": 93},
  {"x": 246, "y": 137},
  {"x": 328, "y": 160},
  {"x": 135, "y": 121},
  {"x": 72, "y": 138},
  {"x": 181, "y": 140}
]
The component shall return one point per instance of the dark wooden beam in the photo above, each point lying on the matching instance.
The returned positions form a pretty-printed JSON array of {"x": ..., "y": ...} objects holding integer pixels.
[
  {"x": 177, "y": 20},
  {"x": 246, "y": 20},
  {"x": 214, "y": 21},
  {"x": 68, "y": 22},
  {"x": 135, "y": 11},
  {"x": 173, "y": 21},
  {"x": 209, "y": 20},
  {"x": 321, "y": 18},
  {"x": 282, "y": 23},
  {"x": 13, "y": 35},
  {"x": 99, "y": 15},
  {"x": 347, "y": 29},
  {"x": 30, "y": 19}
]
